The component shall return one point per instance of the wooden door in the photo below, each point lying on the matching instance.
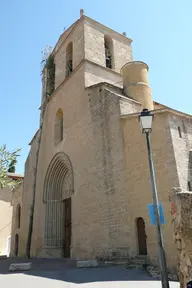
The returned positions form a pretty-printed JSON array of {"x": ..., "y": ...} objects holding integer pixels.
[
  {"x": 67, "y": 230},
  {"x": 142, "y": 241}
]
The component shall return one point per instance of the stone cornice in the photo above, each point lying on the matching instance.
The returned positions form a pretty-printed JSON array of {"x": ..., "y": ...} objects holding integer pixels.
[{"x": 162, "y": 110}]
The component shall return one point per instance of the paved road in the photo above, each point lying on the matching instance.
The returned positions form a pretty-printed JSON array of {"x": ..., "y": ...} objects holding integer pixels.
[{"x": 110, "y": 277}]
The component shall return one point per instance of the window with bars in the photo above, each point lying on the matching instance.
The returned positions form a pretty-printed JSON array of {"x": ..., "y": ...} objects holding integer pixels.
[
  {"x": 69, "y": 59},
  {"x": 179, "y": 131}
]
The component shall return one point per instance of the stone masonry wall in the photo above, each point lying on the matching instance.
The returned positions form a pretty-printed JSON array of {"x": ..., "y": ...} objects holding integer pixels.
[
  {"x": 182, "y": 143},
  {"x": 95, "y": 68},
  {"x": 96, "y": 74},
  {"x": 25, "y": 198},
  {"x": 6, "y": 217},
  {"x": 94, "y": 45},
  {"x": 77, "y": 38},
  {"x": 181, "y": 207},
  {"x": 139, "y": 185},
  {"x": 110, "y": 236},
  {"x": 16, "y": 200}
]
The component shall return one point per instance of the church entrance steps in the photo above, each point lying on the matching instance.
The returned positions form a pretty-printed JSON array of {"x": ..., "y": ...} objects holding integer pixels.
[
  {"x": 139, "y": 261},
  {"x": 3, "y": 257},
  {"x": 135, "y": 262}
]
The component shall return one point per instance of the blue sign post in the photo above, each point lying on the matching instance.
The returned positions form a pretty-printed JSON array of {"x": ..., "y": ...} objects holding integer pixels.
[{"x": 152, "y": 214}]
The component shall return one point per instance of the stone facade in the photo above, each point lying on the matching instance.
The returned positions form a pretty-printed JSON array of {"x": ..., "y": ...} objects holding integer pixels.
[
  {"x": 5, "y": 219},
  {"x": 16, "y": 240},
  {"x": 7, "y": 210},
  {"x": 181, "y": 204},
  {"x": 138, "y": 179},
  {"x": 182, "y": 148},
  {"x": 100, "y": 162}
]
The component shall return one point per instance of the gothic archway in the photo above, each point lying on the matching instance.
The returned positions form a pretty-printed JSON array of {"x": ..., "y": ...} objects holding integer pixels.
[{"x": 58, "y": 187}]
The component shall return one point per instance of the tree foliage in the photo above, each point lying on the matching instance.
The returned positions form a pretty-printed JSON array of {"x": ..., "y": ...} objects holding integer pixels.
[
  {"x": 12, "y": 166},
  {"x": 6, "y": 162}
]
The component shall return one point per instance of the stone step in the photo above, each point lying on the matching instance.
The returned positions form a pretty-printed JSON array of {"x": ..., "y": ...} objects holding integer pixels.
[
  {"x": 155, "y": 273},
  {"x": 116, "y": 262},
  {"x": 139, "y": 260},
  {"x": 20, "y": 267},
  {"x": 3, "y": 257},
  {"x": 135, "y": 266},
  {"x": 87, "y": 263}
]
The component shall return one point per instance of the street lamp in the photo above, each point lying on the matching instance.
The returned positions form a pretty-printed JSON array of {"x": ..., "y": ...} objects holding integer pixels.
[{"x": 146, "y": 119}]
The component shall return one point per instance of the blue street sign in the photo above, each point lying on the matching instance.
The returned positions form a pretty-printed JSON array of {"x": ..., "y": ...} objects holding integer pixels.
[{"x": 152, "y": 214}]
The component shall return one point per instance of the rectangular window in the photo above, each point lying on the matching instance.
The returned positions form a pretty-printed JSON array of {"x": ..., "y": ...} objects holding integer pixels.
[
  {"x": 189, "y": 186},
  {"x": 179, "y": 131}
]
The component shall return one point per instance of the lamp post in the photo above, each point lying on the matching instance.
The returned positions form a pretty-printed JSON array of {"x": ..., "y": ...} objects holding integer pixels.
[{"x": 146, "y": 118}]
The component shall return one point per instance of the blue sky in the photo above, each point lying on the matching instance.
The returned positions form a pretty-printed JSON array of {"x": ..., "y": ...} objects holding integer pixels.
[{"x": 161, "y": 31}]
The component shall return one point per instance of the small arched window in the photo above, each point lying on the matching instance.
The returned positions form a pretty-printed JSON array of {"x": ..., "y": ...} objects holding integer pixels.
[
  {"x": 69, "y": 59},
  {"x": 59, "y": 126},
  {"x": 18, "y": 216},
  {"x": 108, "y": 51}
]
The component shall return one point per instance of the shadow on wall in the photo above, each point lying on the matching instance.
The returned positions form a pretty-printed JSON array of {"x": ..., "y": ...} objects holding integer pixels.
[
  {"x": 190, "y": 171},
  {"x": 5, "y": 195},
  {"x": 189, "y": 284}
]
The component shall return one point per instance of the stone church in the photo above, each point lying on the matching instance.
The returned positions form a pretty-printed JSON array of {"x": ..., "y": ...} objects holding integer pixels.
[{"x": 93, "y": 183}]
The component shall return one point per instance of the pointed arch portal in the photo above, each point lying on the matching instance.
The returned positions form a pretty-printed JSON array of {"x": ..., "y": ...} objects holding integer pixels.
[{"x": 58, "y": 189}]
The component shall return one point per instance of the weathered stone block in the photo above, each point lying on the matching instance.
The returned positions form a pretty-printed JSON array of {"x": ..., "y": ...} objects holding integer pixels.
[
  {"x": 20, "y": 267},
  {"x": 87, "y": 263}
]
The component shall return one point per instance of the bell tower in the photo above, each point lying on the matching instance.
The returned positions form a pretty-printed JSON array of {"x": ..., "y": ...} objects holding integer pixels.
[
  {"x": 92, "y": 47},
  {"x": 106, "y": 51}
]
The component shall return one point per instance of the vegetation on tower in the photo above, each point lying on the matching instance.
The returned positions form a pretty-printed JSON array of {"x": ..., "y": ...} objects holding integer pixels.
[{"x": 48, "y": 67}]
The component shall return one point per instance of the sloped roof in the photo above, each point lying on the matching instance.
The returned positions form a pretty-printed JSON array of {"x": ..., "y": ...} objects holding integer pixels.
[{"x": 15, "y": 176}]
